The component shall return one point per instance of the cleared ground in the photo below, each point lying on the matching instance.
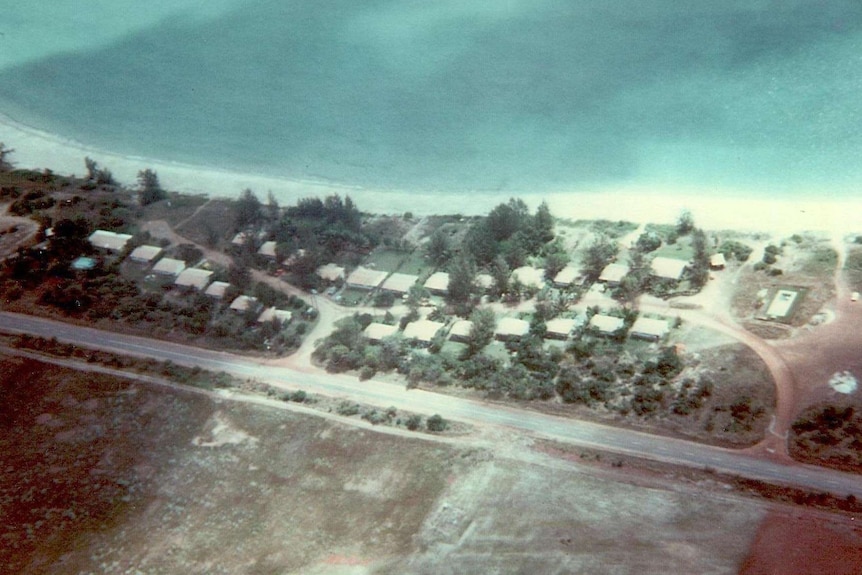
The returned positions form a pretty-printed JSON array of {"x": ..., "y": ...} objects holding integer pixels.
[{"x": 108, "y": 476}]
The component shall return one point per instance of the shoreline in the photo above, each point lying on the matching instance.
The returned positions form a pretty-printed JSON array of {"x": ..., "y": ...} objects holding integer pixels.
[{"x": 713, "y": 207}]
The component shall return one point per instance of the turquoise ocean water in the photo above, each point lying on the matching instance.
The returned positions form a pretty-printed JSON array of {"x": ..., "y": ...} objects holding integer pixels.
[{"x": 505, "y": 95}]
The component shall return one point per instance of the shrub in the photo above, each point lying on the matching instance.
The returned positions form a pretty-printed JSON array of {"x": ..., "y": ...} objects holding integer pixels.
[
  {"x": 436, "y": 423},
  {"x": 413, "y": 422},
  {"x": 348, "y": 408}
]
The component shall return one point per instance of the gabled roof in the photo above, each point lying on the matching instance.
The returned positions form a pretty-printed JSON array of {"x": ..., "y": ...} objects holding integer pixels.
[
  {"x": 399, "y": 283},
  {"x": 331, "y": 272},
  {"x": 668, "y": 268},
  {"x": 366, "y": 278},
  {"x": 649, "y": 327},
  {"x": 529, "y": 276},
  {"x": 423, "y": 329},
  {"x": 485, "y": 281},
  {"x": 614, "y": 273},
  {"x": 566, "y": 276},
  {"x": 606, "y": 323},
  {"x": 461, "y": 329},
  {"x": 169, "y": 266},
  {"x": 267, "y": 249},
  {"x": 193, "y": 277},
  {"x": 512, "y": 327},
  {"x": 438, "y": 282},
  {"x": 145, "y": 254},
  {"x": 561, "y": 326},
  {"x": 378, "y": 331},
  {"x": 239, "y": 239},
  {"x": 243, "y": 302},
  {"x": 110, "y": 241},
  {"x": 217, "y": 289},
  {"x": 271, "y": 313},
  {"x": 717, "y": 260}
]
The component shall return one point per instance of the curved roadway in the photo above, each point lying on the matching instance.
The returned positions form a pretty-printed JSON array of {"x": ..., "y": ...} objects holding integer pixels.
[{"x": 385, "y": 394}]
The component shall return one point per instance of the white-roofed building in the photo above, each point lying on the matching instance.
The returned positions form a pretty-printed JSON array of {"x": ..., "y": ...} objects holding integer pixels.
[
  {"x": 613, "y": 274},
  {"x": 510, "y": 328},
  {"x": 193, "y": 278},
  {"x": 217, "y": 289},
  {"x": 529, "y": 276},
  {"x": 559, "y": 328},
  {"x": 364, "y": 278},
  {"x": 377, "y": 331},
  {"x": 422, "y": 330},
  {"x": 239, "y": 239},
  {"x": 272, "y": 313},
  {"x": 566, "y": 276},
  {"x": 461, "y": 330},
  {"x": 438, "y": 283},
  {"x": 606, "y": 324},
  {"x": 717, "y": 261},
  {"x": 649, "y": 328},
  {"x": 243, "y": 303},
  {"x": 485, "y": 281},
  {"x": 399, "y": 283},
  {"x": 145, "y": 254},
  {"x": 668, "y": 268},
  {"x": 331, "y": 272},
  {"x": 267, "y": 249},
  {"x": 169, "y": 267},
  {"x": 109, "y": 241}
]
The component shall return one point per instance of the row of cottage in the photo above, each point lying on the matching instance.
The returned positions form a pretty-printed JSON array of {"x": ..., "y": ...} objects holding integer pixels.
[
  {"x": 438, "y": 282},
  {"x": 513, "y": 329},
  {"x": 182, "y": 276}
]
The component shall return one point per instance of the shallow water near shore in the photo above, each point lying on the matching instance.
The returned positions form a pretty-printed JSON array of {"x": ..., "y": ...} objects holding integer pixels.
[{"x": 505, "y": 97}]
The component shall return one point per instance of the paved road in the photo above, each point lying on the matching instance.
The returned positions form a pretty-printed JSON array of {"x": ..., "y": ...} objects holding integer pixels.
[{"x": 385, "y": 394}]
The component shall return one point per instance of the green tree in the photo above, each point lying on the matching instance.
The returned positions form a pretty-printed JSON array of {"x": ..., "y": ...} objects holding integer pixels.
[
  {"x": 543, "y": 223},
  {"x": 482, "y": 330},
  {"x": 462, "y": 274},
  {"x": 149, "y": 188},
  {"x": 5, "y": 164},
  {"x": 436, "y": 424},
  {"x": 699, "y": 272},
  {"x": 437, "y": 249},
  {"x": 599, "y": 254},
  {"x": 248, "y": 210},
  {"x": 500, "y": 271},
  {"x": 685, "y": 223},
  {"x": 97, "y": 175}
]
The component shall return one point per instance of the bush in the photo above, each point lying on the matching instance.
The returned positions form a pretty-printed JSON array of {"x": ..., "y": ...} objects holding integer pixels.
[
  {"x": 348, "y": 408},
  {"x": 436, "y": 424},
  {"x": 413, "y": 422}
]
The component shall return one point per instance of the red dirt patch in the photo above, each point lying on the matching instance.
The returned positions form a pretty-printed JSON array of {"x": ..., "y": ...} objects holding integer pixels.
[{"x": 806, "y": 543}]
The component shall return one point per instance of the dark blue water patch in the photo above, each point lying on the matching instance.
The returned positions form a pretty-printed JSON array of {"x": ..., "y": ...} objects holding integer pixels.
[{"x": 374, "y": 93}]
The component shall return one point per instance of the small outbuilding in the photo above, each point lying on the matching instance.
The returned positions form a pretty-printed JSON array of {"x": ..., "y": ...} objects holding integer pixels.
[
  {"x": 365, "y": 278},
  {"x": 378, "y": 331},
  {"x": 330, "y": 272},
  {"x": 613, "y": 274},
  {"x": 529, "y": 276},
  {"x": 668, "y": 268},
  {"x": 193, "y": 278},
  {"x": 239, "y": 239},
  {"x": 510, "y": 328},
  {"x": 399, "y": 283},
  {"x": 145, "y": 254},
  {"x": 169, "y": 267},
  {"x": 438, "y": 283},
  {"x": 243, "y": 303},
  {"x": 109, "y": 241},
  {"x": 650, "y": 329},
  {"x": 606, "y": 324},
  {"x": 717, "y": 261},
  {"x": 485, "y": 281},
  {"x": 217, "y": 289},
  {"x": 422, "y": 330},
  {"x": 461, "y": 330},
  {"x": 267, "y": 250},
  {"x": 559, "y": 328},
  {"x": 272, "y": 313},
  {"x": 566, "y": 276}
]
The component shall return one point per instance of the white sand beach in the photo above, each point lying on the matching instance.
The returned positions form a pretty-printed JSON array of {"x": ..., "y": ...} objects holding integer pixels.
[{"x": 713, "y": 208}]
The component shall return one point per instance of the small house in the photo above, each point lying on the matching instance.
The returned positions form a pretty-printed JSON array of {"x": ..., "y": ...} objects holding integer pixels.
[
  {"x": 109, "y": 241},
  {"x": 606, "y": 324},
  {"x": 613, "y": 274},
  {"x": 422, "y": 330},
  {"x": 668, "y": 268},
  {"x": 717, "y": 262},
  {"x": 365, "y": 279},
  {"x": 399, "y": 283},
  {"x": 271, "y": 313},
  {"x": 650, "y": 329},
  {"x": 217, "y": 289},
  {"x": 243, "y": 303},
  {"x": 438, "y": 283},
  {"x": 193, "y": 278},
  {"x": 267, "y": 250},
  {"x": 378, "y": 331},
  {"x": 566, "y": 276},
  {"x": 529, "y": 276},
  {"x": 145, "y": 255},
  {"x": 510, "y": 329},
  {"x": 330, "y": 272},
  {"x": 559, "y": 328},
  {"x": 461, "y": 330},
  {"x": 485, "y": 281},
  {"x": 169, "y": 267}
]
